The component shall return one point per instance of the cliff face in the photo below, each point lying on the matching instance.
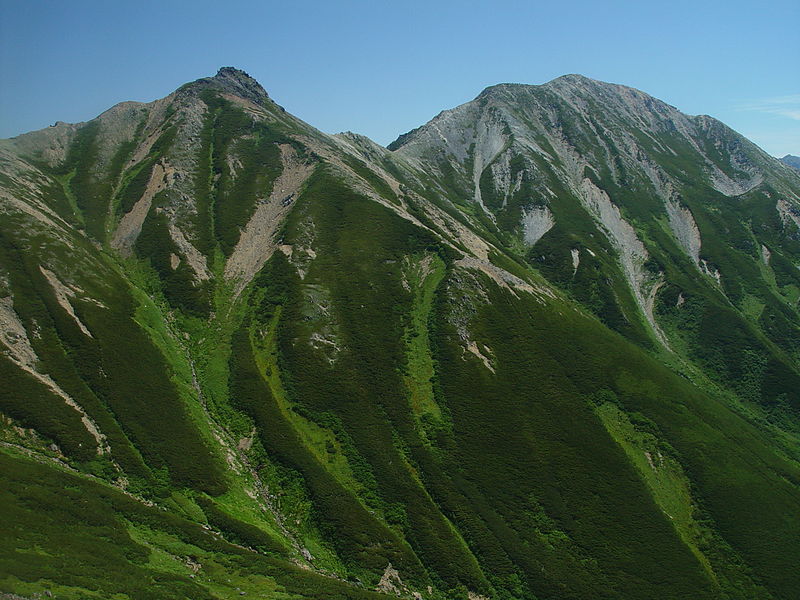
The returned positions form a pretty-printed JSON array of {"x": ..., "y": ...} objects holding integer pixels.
[{"x": 545, "y": 346}]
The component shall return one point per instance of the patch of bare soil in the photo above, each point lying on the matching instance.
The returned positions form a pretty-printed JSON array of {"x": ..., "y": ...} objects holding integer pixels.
[
  {"x": 256, "y": 243},
  {"x": 130, "y": 226},
  {"x": 63, "y": 294}
]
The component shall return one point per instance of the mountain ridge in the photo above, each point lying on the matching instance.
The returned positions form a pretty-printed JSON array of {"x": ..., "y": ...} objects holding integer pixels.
[
  {"x": 791, "y": 160},
  {"x": 546, "y": 347}
]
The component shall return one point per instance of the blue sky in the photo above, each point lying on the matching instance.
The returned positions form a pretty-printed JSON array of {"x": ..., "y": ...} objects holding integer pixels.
[{"x": 381, "y": 68}]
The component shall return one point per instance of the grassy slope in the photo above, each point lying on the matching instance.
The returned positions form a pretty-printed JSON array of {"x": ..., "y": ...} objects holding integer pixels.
[
  {"x": 82, "y": 539},
  {"x": 556, "y": 361}
]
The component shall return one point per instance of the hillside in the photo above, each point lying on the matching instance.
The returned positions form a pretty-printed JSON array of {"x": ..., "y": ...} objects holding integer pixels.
[{"x": 545, "y": 346}]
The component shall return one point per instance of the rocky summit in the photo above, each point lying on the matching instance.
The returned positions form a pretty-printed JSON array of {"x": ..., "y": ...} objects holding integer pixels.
[{"x": 545, "y": 346}]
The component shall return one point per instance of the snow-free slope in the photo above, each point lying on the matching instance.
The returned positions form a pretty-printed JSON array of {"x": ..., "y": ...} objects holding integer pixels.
[{"x": 543, "y": 347}]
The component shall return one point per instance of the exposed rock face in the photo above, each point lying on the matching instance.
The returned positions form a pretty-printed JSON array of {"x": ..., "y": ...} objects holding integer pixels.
[
  {"x": 632, "y": 253},
  {"x": 789, "y": 212},
  {"x": 685, "y": 229},
  {"x": 235, "y": 82},
  {"x": 131, "y": 223},
  {"x": 602, "y": 144},
  {"x": 257, "y": 242},
  {"x": 15, "y": 338},
  {"x": 535, "y": 223}
]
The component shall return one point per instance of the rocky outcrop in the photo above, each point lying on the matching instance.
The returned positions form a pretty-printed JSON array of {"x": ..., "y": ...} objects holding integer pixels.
[
  {"x": 535, "y": 223},
  {"x": 685, "y": 229},
  {"x": 632, "y": 252}
]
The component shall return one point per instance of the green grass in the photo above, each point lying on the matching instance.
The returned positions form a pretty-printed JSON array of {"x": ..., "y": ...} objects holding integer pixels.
[
  {"x": 321, "y": 442},
  {"x": 81, "y": 539},
  {"x": 423, "y": 275},
  {"x": 658, "y": 465},
  {"x": 658, "y": 468}
]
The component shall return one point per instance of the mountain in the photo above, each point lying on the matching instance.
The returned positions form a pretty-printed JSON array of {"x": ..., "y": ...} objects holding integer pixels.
[
  {"x": 546, "y": 345},
  {"x": 791, "y": 160}
]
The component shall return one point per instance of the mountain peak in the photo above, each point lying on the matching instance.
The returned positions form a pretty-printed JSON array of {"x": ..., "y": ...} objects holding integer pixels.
[
  {"x": 791, "y": 160},
  {"x": 240, "y": 83},
  {"x": 574, "y": 83},
  {"x": 500, "y": 87},
  {"x": 573, "y": 79},
  {"x": 232, "y": 74},
  {"x": 233, "y": 81}
]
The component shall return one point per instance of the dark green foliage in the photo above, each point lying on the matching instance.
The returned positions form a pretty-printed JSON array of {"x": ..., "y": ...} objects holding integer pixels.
[
  {"x": 134, "y": 187},
  {"x": 81, "y": 532},
  {"x": 452, "y": 184},
  {"x": 238, "y": 531},
  {"x": 362, "y": 245},
  {"x": 351, "y": 526},
  {"x": 509, "y": 217},
  {"x": 90, "y": 198},
  {"x": 56, "y": 193},
  {"x": 118, "y": 374},
  {"x": 539, "y": 467},
  {"x": 135, "y": 180},
  {"x": 226, "y": 199},
  {"x": 92, "y": 190},
  {"x": 80, "y": 537},
  {"x": 729, "y": 348},
  {"x": 551, "y": 422},
  {"x": 204, "y": 190},
  {"x": 155, "y": 245},
  {"x": 785, "y": 271},
  {"x": 34, "y": 405},
  {"x": 598, "y": 282},
  {"x": 65, "y": 353},
  {"x": 780, "y": 324},
  {"x": 733, "y": 352},
  {"x": 235, "y": 202},
  {"x": 147, "y": 403},
  {"x": 489, "y": 194}
]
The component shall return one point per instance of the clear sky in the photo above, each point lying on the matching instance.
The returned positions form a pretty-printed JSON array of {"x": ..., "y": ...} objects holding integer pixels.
[{"x": 381, "y": 68}]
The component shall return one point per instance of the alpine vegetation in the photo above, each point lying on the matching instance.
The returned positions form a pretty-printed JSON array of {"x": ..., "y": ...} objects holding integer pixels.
[{"x": 545, "y": 346}]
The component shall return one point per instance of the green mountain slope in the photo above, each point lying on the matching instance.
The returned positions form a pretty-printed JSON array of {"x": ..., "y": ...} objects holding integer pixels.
[{"x": 544, "y": 346}]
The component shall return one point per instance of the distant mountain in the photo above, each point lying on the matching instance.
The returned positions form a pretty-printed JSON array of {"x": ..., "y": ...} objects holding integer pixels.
[
  {"x": 546, "y": 345},
  {"x": 791, "y": 160}
]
